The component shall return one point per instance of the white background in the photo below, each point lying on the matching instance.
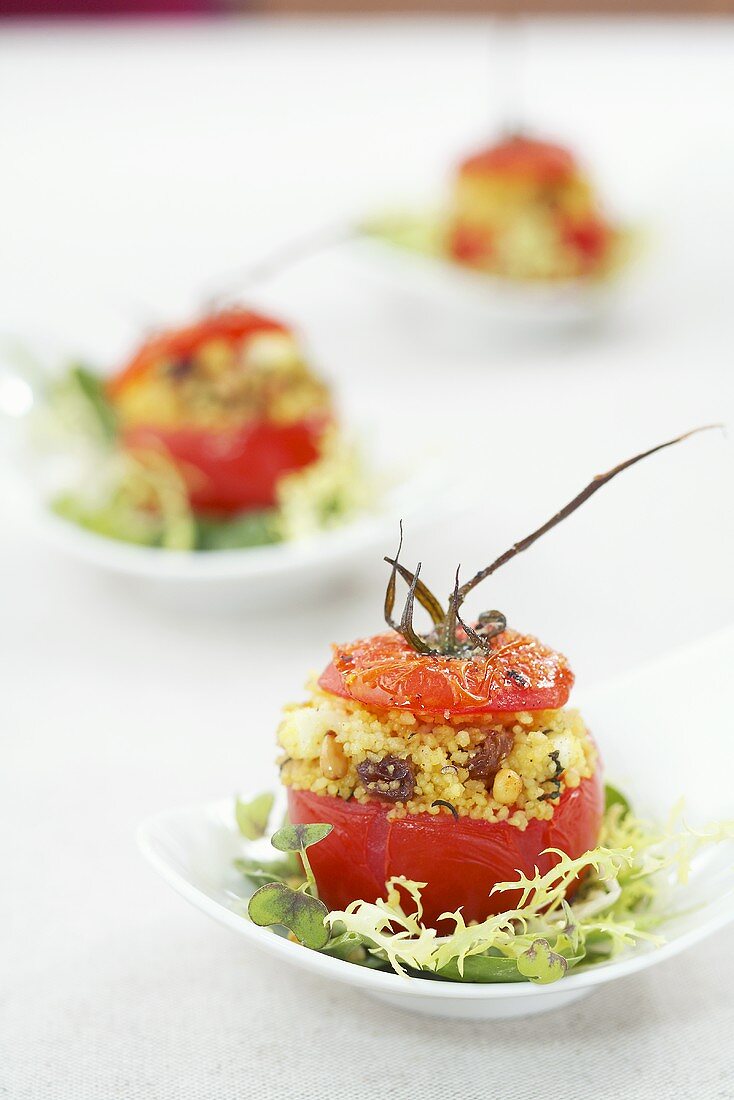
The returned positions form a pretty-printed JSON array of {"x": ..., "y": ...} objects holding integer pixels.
[{"x": 138, "y": 168}]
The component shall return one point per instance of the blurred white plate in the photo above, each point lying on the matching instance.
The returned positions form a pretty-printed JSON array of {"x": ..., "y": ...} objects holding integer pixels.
[
  {"x": 415, "y": 488},
  {"x": 265, "y": 573},
  {"x": 641, "y": 723},
  {"x": 563, "y": 304}
]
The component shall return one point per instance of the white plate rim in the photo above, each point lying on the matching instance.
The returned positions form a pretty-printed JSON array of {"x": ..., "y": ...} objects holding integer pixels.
[
  {"x": 377, "y": 981},
  {"x": 578, "y": 292},
  {"x": 412, "y": 498},
  {"x": 381, "y": 982}
]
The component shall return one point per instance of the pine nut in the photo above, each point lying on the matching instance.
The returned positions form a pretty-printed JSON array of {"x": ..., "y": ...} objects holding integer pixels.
[
  {"x": 507, "y": 787},
  {"x": 334, "y": 764}
]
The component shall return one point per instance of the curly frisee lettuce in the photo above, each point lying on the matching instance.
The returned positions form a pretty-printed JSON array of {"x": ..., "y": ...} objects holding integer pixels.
[{"x": 626, "y": 895}]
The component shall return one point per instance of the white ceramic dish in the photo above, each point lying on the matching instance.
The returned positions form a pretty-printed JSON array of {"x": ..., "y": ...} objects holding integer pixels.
[
  {"x": 418, "y": 490},
  {"x": 567, "y": 304},
  {"x": 263, "y": 572},
  {"x": 193, "y": 849},
  {"x": 418, "y": 496}
]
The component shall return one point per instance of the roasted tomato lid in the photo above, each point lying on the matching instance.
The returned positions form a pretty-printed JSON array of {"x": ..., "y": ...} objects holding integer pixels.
[
  {"x": 456, "y": 668},
  {"x": 516, "y": 673},
  {"x": 523, "y": 157},
  {"x": 177, "y": 344}
]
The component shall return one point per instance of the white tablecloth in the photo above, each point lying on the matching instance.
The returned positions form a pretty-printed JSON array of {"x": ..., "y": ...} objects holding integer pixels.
[{"x": 137, "y": 166}]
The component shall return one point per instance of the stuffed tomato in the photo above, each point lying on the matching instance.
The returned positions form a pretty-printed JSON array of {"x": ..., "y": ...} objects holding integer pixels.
[
  {"x": 448, "y": 757},
  {"x": 231, "y": 402},
  {"x": 457, "y": 770},
  {"x": 523, "y": 209}
]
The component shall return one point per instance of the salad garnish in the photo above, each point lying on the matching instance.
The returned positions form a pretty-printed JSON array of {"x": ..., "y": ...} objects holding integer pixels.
[
  {"x": 519, "y": 210},
  {"x": 466, "y": 834},
  {"x": 200, "y": 478},
  {"x": 632, "y": 886}
]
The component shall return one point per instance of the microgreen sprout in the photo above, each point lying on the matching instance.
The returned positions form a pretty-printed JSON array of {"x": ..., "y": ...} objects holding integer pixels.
[{"x": 299, "y": 910}]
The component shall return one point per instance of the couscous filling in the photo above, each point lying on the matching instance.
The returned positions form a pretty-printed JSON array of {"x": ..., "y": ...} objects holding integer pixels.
[
  {"x": 221, "y": 384},
  {"x": 511, "y": 767}
]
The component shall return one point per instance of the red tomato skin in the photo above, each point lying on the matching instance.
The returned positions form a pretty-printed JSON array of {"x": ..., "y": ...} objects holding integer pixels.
[
  {"x": 229, "y": 471},
  {"x": 469, "y": 245},
  {"x": 384, "y": 673},
  {"x": 511, "y": 701},
  {"x": 519, "y": 156},
  {"x": 589, "y": 238},
  {"x": 230, "y": 325},
  {"x": 460, "y": 860}
]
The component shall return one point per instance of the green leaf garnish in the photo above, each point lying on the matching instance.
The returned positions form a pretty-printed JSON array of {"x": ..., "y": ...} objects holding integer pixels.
[
  {"x": 624, "y": 897},
  {"x": 294, "y": 871},
  {"x": 238, "y": 532},
  {"x": 540, "y": 964},
  {"x": 296, "y": 838},
  {"x": 260, "y": 873},
  {"x": 614, "y": 797},
  {"x": 252, "y": 817},
  {"x": 300, "y": 913},
  {"x": 86, "y": 389},
  {"x": 80, "y": 410},
  {"x": 482, "y": 968},
  {"x": 92, "y": 388}
]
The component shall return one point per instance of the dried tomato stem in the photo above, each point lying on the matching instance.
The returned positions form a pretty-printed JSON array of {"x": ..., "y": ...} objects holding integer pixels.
[
  {"x": 591, "y": 488},
  {"x": 491, "y": 623},
  {"x": 479, "y": 640},
  {"x": 406, "y": 623},
  {"x": 448, "y": 630},
  {"x": 423, "y": 594}
]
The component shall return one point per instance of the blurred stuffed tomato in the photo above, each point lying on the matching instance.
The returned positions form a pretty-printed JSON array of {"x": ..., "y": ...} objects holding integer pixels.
[{"x": 230, "y": 401}]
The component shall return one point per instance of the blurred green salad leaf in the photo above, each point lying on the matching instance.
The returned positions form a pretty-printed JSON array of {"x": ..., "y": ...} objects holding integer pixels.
[
  {"x": 423, "y": 232},
  {"x": 613, "y": 797},
  {"x": 91, "y": 388},
  {"x": 259, "y": 872},
  {"x": 252, "y": 817},
  {"x": 238, "y": 532},
  {"x": 142, "y": 496}
]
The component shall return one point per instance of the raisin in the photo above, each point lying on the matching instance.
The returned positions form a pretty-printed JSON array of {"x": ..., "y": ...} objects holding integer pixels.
[
  {"x": 180, "y": 368},
  {"x": 390, "y": 778},
  {"x": 485, "y": 762}
]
